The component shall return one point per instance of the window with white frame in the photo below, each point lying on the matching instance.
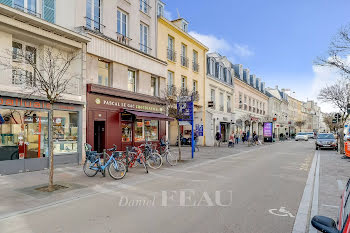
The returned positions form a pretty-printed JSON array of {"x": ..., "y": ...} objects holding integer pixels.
[
  {"x": 212, "y": 66},
  {"x": 144, "y": 38},
  {"x": 160, "y": 9},
  {"x": 240, "y": 100},
  {"x": 183, "y": 82},
  {"x": 131, "y": 80},
  {"x": 228, "y": 103},
  {"x": 155, "y": 86},
  {"x": 195, "y": 85},
  {"x": 28, "y": 6},
  {"x": 122, "y": 23},
  {"x": 212, "y": 96},
  {"x": 184, "y": 26},
  {"x": 93, "y": 14},
  {"x": 221, "y": 101},
  {"x": 144, "y": 6},
  {"x": 23, "y": 57},
  {"x": 170, "y": 80}
]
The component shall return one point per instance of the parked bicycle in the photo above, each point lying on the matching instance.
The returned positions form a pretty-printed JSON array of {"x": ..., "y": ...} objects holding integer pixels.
[
  {"x": 136, "y": 157},
  {"x": 93, "y": 164},
  {"x": 165, "y": 152},
  {"x": 153, "y": 158}
]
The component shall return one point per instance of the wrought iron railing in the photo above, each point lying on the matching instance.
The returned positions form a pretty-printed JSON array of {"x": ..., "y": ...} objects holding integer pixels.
[
  {"x": 171, "y": 55},
  {"x": 195, "y": 66}
]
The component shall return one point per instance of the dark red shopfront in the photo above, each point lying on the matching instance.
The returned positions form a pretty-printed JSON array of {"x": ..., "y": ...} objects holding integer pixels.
[{"x": 122, "y": 118}]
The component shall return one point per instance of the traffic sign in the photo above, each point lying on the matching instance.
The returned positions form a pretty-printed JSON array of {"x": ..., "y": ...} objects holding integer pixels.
[
  {"x": 337, "y": 116},
  {"x": 334, "y": 121}
]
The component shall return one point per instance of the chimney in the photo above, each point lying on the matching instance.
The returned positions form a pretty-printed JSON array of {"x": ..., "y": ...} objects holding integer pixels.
[
  {"x": 238, "y": 70},
  {"x": 252, "y": 80},
  {"x": 246, "y": 75},
  {"x": 263, "y": 87},
  {"x": 257, "y": 85}
]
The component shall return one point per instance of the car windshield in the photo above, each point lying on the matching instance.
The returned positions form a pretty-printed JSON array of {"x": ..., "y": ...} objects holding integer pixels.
[
  {"x": 301, "y": 134},
  {"x": 325, "y": 136}
]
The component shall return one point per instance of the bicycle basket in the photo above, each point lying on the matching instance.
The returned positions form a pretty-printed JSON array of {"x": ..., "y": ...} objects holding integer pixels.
[{"x": 91, "y": 155}]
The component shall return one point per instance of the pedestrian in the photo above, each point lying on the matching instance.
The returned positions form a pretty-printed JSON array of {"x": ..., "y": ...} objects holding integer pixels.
[
  {"x": 254, "y": 137},
  {"x": 195, "y": 135},
  {"x": 248, "y": 134},
  {"x": 218, "y": 138},
  {"x": 244, "y": 137},
  {"x": 237, "y": 137},
  {"x": 231, "y": 141}
]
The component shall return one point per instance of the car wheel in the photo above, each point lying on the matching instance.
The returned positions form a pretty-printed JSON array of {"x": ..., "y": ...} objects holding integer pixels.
[{"x": 316, "y": 147}]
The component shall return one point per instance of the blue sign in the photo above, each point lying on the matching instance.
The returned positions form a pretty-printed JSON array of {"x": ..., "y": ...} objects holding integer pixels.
[
  {"x": 185, "y": 109},
  {"x": 199, "y": 129}
]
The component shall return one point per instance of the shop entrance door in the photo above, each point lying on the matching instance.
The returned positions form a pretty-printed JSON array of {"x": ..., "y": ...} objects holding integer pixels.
[
  {"x": 99, "y": 136},
  {"x": 223, "y": 132}
]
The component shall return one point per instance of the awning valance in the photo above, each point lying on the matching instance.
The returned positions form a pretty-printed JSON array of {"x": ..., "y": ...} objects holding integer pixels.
[{"x": 150, "y": 115}]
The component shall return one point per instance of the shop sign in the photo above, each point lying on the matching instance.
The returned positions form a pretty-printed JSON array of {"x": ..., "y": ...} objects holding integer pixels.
[
  {"x": 199, "y": 129},
  {"x": 185, "y": 109},
  {"x": 39, "y": 104},
  {"x": 118, "y": 103}
]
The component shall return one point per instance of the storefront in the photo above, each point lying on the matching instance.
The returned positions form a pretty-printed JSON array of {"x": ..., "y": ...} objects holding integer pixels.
[
  {"x": 24, "y": 130},
  {"x": 123, "y": 118}
]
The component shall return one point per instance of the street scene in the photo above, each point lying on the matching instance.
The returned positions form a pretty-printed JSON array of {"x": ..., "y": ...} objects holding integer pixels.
[{"x": 174, "y": 116}]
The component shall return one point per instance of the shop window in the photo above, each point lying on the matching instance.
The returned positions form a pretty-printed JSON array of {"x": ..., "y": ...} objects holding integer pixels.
[
  {"x": 23, "y": 134},
  {"x": 126, "y": 132},
  {"x": 151, "y": 130},
  {"x": 139, "y": 136},
  {"x": 103, "y": 73},
  {"x": 65, "y": 132}
]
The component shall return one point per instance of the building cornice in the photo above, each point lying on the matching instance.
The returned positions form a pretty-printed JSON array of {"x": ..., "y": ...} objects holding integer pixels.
[{"x": 250, "y": 88}]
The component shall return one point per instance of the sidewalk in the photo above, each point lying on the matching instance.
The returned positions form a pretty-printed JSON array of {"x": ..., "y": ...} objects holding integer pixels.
[{"x": 18, "y": 196}]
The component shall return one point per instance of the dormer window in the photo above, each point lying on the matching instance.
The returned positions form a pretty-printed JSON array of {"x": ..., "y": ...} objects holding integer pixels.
[
  {"x": 184, "y": 26},
  {"x": 160, "y": 9}
]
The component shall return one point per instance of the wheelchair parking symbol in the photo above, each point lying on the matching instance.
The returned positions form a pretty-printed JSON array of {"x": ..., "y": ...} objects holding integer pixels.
[{"x": 281, "y": 212}]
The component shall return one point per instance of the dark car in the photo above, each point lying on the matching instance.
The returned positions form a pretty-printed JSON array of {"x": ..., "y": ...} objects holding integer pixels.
[
  {"x": 326, "y": 140},
  {"x": 328, "y": 225}
]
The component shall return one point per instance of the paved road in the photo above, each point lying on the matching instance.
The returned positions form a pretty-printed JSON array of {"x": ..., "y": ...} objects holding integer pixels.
[{"x": 182, "y": 198}]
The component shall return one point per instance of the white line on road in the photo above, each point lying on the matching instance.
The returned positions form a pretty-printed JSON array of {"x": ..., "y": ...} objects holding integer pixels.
[{"x": 332, "y": 206}]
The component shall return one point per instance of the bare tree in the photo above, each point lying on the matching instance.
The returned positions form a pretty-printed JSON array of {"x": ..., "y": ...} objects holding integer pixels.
[
  {"x": 299, "y": 124},
  {"x": 42, "y": 74},
  {"x": 172, "y": 96},
  {"x": 338, "y": 52},
  {"x": 338, "y": 95}
]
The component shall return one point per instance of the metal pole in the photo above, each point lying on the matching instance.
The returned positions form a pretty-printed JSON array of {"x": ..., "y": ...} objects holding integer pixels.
[{"x": 192, "y": 130}]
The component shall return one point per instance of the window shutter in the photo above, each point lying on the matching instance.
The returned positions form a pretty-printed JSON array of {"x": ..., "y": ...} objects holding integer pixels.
[
  {"x": 7, "y": 2},
  {"x": 49, "y": 10}
]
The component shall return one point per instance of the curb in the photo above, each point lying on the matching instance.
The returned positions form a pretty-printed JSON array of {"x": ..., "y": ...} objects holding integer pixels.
[{"x": 309, "y": 201}]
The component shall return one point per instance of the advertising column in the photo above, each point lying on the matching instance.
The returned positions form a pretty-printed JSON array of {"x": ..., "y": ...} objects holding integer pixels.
[{"x": 267, "y": 131}]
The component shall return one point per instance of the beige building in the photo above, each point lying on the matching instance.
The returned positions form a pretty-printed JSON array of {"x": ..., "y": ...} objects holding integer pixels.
[
  {"x": 219, "y": 98},
  {"x": 251, "y": 101},
  {"x": 31, "y": 30},
  {"x": 186, "y": 69}
]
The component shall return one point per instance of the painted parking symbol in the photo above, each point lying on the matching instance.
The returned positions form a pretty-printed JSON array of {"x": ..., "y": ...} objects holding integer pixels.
[{"x": 281, "y": 212}]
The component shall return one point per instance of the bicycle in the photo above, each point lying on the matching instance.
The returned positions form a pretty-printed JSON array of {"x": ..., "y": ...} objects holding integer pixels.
[
  {"x": 165, "y": 152},
  {"x": 153, "y": 158},
  {"x": 93, "y": 164},
  {"x": 136, "y": 157}
]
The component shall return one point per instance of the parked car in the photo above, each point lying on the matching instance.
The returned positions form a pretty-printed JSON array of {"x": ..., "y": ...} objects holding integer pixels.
[
  {"x": 326, "y": 140},
  {"x": 328, "y": 225},
  {"x": 311, "y": 135},
  {"x": 347, "y": 137},
  {"x": 301, "y": 136}
]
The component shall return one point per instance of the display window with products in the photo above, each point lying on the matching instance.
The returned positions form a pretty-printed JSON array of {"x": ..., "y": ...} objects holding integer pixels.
[
  {"x": 126, "y": 132},
  {"x": 65, "y": 132},
  {"x": 146, "y": 130},
  {"x": 23, "y": 134}
]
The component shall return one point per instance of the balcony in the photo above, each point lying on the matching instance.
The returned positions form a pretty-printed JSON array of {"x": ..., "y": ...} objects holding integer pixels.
[
  {"x": 145, "y": 49},
  {"x": 171, "y": 55},
  {"x": 94, "y": 25},
  {"x": 123, "y": 39},
  {"x": 23, "y": 78},
  {"x": 221, "y": 108},
  {"x": 26, "y": 10},
  {"x": 184, "y": 61},
  {"x": 195, "y": 66}
]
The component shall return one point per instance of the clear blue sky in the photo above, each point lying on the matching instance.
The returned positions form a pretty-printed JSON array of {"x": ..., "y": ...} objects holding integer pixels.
[{"x": 278, "y": 40}]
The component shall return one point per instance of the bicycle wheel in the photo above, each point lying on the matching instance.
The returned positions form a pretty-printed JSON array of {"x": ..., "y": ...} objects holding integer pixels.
[
  {"x": 132, "y": 159},
  {"x": 142, "y": 159},
  {"x": 87, "y": 168},
  {"x": 117, "y": 170},
  {"x": 154, "y": 160},
  {"x": 171, "y": 158}
]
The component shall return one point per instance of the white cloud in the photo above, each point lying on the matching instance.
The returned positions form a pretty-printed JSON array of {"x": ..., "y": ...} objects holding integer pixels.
[
  {"x": 323, "y": 76},
  {"x": 168, "y": 15},
  {"x": 213, "y": 43},
  {"x": 242, "y": 50}
]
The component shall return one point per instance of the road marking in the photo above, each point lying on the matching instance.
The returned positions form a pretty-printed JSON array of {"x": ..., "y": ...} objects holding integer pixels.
[
  {"x": 281, "y": 212},
  {"x": 314, "y": 207},
  {"x": 340, "y": 185},
  {"x": 332, "y": 206}
]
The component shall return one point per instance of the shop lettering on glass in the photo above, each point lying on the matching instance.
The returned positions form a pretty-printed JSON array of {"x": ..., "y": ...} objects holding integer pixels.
[{"x": 16, "y": 102}]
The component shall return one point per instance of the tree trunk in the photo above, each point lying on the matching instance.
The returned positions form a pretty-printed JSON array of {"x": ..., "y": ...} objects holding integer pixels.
[
  {"x": 50, "y": 187},
  {"x": 341, "y": 140},
  {"x": 179, "y": 139}
]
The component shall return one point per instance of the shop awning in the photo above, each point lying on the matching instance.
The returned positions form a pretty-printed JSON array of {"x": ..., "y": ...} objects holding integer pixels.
[{"x": 149, "y": 115}]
